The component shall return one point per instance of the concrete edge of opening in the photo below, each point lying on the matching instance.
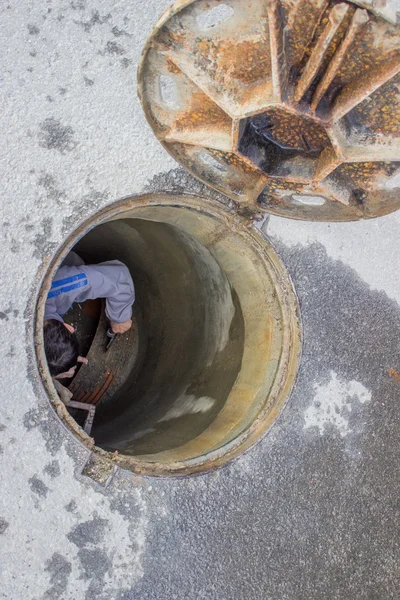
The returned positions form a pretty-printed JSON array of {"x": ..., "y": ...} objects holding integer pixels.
[{"x": 291, "y": 326}]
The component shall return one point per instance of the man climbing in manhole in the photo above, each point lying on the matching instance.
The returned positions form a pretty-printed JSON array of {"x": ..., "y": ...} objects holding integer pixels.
[{"x": 77, "y": 282}]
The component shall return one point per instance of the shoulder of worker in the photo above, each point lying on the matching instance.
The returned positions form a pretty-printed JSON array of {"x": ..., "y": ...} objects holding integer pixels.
[
  {"x": 68, "y": 279},
  {"x": 107, "y": 279},
  {"x": 69, "y": 282},
  {"x": 110, "y": 279},
  {"x": 113, "y": 270},
  {"x": 78, "y": 276}
]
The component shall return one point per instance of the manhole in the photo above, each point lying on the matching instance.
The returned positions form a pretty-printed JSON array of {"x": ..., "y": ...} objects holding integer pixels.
[
  {"x": 286, "y": 106},
  {"x": 215, "y": 346},
  {"x": 290, "y": 106}
]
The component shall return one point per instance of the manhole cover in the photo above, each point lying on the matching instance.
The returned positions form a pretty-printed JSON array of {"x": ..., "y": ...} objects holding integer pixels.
[{"x": 291, "y": 106}]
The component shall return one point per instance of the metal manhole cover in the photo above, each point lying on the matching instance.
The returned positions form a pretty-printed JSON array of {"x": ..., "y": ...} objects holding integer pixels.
[{"x": 292, "y": 106}]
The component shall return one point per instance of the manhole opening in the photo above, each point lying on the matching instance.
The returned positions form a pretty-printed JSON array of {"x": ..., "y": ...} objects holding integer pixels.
[{"x": 214, "y": 346}]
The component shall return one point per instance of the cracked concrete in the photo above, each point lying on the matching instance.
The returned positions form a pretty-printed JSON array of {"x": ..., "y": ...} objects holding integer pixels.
[{"x": 308, "y": 513}]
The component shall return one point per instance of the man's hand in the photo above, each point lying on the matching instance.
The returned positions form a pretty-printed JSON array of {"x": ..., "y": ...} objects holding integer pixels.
[
  {"x": 71, "y": 373},
  {"x": 121, "y": 327}
]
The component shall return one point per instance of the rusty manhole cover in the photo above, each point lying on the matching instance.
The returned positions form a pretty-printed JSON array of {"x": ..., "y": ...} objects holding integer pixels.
[{"x": 287, "y": 105}]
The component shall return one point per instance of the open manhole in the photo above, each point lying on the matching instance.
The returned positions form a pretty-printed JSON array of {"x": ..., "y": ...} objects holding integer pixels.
[
  {"x": 286, "y": 106},
  {"x": 215, "y": 345},
  {"x": 289, "y": 106}
]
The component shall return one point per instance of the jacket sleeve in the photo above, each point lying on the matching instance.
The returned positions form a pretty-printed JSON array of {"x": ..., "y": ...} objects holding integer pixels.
[
  {"x": 50, "y": 310},
  {"x": 111, "y": 280}
]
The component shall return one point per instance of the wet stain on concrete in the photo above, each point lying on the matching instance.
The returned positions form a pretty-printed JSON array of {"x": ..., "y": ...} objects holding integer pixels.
[
  {"x": 53, "y": 469},
  {"x": 53, "y": 135},
  {"x": 60, "y": 570},
  {"x": 38, "y": 486},
  {"x": 11, "y": 353},
  {"x": 3, "y": 525},
  {"x": 87, "y": 204},
  {"x": 96, "y": 19},
  {"x": 179, "y": 181},
  {"x": 78, "y": 4},
  {"x": 88, "y": 82},
  {"x": 89, "y": 532},
  {"x": 39, "y": 418},
  {"x": 126, "y": 62},
  {"x": 5, "y": 315},
  {"x": 114, "y": 49},
  {"x": 95, "y": 563},
  {"x": 49, "y": 183},
  {"x": 71, "y": 506},
  {"x": 33, "y": 29},
  {"x": 15, "y": 246},
  {"x": 32, "y": 419},
  {"x": 120, "y": 32},
  {"x": 41, "y": 241}
]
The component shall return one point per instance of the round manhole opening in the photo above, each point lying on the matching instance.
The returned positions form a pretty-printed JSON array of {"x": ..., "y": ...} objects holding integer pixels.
[{"x": 214, "y": 347}]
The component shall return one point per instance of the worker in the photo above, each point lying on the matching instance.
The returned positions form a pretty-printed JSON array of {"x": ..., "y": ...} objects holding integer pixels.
[{"x": 77, "y": 282}]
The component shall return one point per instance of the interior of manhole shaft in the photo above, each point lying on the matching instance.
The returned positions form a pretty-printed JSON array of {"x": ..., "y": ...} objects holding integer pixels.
[
  {"x": 214, "y": 346},
  {"x": 291, "y": 106}
]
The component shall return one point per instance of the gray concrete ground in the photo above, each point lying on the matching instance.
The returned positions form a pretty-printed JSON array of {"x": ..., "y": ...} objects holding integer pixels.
[{"x": 311, "y": 512}]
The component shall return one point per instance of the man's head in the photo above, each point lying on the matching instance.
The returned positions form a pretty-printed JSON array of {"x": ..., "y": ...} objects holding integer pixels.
[{"x": 61, "y": 347}]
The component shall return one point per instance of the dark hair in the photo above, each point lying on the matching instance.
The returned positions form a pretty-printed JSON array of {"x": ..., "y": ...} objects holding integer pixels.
[{"x": 61, "y": 347}]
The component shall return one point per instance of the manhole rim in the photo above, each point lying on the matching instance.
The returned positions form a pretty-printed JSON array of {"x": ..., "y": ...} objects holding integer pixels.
[{"x": 292, "y": 344}]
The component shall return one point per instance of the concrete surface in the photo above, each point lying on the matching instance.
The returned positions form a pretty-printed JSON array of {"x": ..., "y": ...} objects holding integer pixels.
[{"x": 311, "y": 512}]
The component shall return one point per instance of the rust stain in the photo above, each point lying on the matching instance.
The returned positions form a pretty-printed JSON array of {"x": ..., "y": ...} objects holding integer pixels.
[
  {"x": 368, "y": 53},
  {"x": 203, "y": 112},
  {"x": 394, "y": 374},
  {"x": 379, "y": 113},
  {"x": 319, "y": 54},
  {"x": 294, "y": 131},
  {"x": 361, "y": 177},
  {"x": 168, "y": 38},
  {"x": 302, "y": 20},
  {"x": 247, "y": 62},
  {"x": 172, "y": 67},
  {"x": 233, "y": 159},
  {"x": 337, "y": 38}
]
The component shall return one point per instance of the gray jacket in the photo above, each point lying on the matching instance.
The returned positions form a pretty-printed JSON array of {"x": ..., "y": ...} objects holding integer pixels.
[{"x": 110, "y": 280}]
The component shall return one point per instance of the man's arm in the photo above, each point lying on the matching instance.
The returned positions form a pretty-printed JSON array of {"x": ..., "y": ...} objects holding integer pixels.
[{"x": 111, "y": 280}]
